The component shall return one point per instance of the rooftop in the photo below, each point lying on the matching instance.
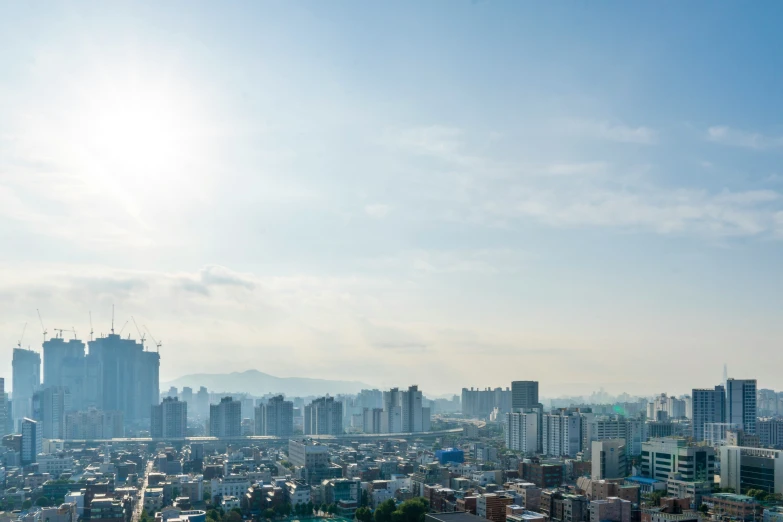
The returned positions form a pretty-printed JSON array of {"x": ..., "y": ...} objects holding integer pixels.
[
  {"x": 643, "y": 480},
  {"x": 733, "y": 497},
  {"x": 458, "y": 516}
]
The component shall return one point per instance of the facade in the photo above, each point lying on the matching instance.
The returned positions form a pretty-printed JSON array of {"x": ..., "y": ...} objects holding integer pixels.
[
  {"x": 522, "y": 432},
  {"x": 49, "y": 407},
  {"x": 524, "y": 395},
  {"x": 733, "y": 507},
  {"x": 127, "y": 376},
  {"x": 709, "y": 406},
  {"x": 275, "y": 418},
  {"x": 493, "y": 507},
  {"x": 751, "y": 468},
  {"x": 609, "y": 459},
  {"x": 770, "y": 432},
  {"x": 32, "y": 441},
  {"x": 26, "y": 368},
  {"x": 403, "y": 411},
  {"x": 225, "y": 418},
  {"x": 63, "y": 365},
  {"x": 480, "y": 403},
  {"x": 372, "y": 420},
  {"x": 660, "y": 457},
  {"x": 323, "y": 416},
  {"x": 169, "y": 419},
  {"x": 562, "y": 434},
  {"x": 676, "y": 487},
  {"x": 94, "y": 424},
  {"x": 612, "y": 509},
  {"x": 716, "y": 433},
  {"x": 633, "y": 431},
  {"x": 741, "y": 404}
]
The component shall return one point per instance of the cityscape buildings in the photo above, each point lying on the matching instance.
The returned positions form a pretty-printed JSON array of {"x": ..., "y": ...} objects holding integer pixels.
[
  {"x": 225, "y": 418},
  {"x": 741, "y": 403},
  {"x": 169, "y": 419},
  {"x": 26, "y": 366},
  {"x": 275, "y": 418}
]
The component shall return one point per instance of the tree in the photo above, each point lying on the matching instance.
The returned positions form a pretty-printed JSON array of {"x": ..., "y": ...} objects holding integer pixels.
[
  {"x": 309, "y": 508},
  {"x": 383, "y": 513},
  {"x": 331, "y": 509},
  {"x": 363, "y": 514},
  {"x": 656, "y": 497},
  {"x": 323, "y": 508},
  {"x": 365, "y": 499},
  {"x": 412, "y": 510},
  {"x": 269, "y": 513},
  {"x": 703, "y": 508},
  {"x": 234, "y": 516},
  {"x": 213, "y": 514},
  {"x": 27, "y": 504}
]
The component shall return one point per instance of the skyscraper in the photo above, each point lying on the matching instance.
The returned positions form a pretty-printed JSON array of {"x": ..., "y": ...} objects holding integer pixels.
[
  {"x": 275, "y": 418},
  {"x": 26, "y": 380},
  {"x": 522, "y": 432},
  {"x": 169, "y": 419},
  {"x": 4, "y": 413},
  {"x": 391, "y": 420},
  {"x": 709, "y": 406},
  {"x": 741, "y": 403},
  {"x": 225, "y": 418},
  {"x": 32, "y": 441},
  {"x": 323, "y": 416},
  {"x": 524, "y": 395},
  {"x": 127, "y": 376},
  {"x": 609, "y": 459},
  {"x": 411, "y": 410},
  {"x": 59, "y": 354},
  {"x": 49, "y": 407}
]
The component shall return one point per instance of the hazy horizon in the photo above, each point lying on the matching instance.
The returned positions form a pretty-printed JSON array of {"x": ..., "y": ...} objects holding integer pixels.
[{"x": 448, "y": 194}]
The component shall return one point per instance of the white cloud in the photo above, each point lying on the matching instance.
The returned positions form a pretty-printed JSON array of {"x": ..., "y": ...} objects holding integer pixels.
[
  {"x": 604, "y": 130},
  {"x": 740, "y": 138},
  {"x": 377, "y": 210}
]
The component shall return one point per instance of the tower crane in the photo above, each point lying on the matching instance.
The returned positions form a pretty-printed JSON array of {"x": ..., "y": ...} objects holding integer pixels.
[
  {"x": 42, "y": 326},
  {"x": 21, "y": 338},
  {"x": 157, "y": 344},
  {"x": 91, "y": 330},
  {"x": 141, "y": 335}
]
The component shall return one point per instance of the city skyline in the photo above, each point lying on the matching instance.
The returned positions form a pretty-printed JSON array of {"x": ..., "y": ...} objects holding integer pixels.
[{"x": 590, "y": 194}]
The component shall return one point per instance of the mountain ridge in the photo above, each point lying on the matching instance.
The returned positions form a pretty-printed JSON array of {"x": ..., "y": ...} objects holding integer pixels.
[{"x": 256, "y": 382}]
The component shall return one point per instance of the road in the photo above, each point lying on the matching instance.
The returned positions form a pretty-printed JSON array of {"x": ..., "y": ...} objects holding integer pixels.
[{"x": 140, "y": 502}]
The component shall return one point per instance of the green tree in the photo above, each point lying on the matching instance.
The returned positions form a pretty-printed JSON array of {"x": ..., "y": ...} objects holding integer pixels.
[
  {"x": 234, "y": 516},
  {"x": 331, "y": 509},
  {"x": 363, "y": 514},
  {"x": 309, "y": 508},
  {"x": 655, "y": 497},
  {"x": 27, "y": 504},
  {"x": 412, "y": 510},
  {"x": 323, "y": 508},
  {"x": 383, "y": 513},
  {"x": 269, "y": 513},
  {"x": 213, "y": 514},
  {"x": 703, "y": 508},
  {"x": 365, "y": 499}
]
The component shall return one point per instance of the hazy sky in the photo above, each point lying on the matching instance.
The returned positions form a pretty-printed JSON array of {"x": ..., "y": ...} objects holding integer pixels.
[{"x": 444, "y": 193}]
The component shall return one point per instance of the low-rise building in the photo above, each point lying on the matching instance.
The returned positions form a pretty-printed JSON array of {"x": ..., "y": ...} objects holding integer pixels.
[
  {"x": 493, "y": 506},
  {"x": 742, "y": 507},
  {"x": 612, "y": 509}
]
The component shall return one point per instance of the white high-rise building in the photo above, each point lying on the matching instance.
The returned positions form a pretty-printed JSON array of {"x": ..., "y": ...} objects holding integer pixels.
[
  {"x": 562, "y": 434},
  {"x": 741, "y": 403},
  {"x": 169, "y": 419},
  {"x": 225, "y": 418},
  {"x": 522, "y": 432},
  {"x": 609, "y": 459},
  {"x": 403, "y": 411}
]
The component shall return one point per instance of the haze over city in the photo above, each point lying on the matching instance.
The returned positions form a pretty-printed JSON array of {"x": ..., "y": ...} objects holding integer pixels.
[{"x": 446, "y": 193}]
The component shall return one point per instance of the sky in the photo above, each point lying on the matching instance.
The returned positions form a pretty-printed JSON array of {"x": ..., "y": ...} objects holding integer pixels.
[{"x": 445, "y": 193}]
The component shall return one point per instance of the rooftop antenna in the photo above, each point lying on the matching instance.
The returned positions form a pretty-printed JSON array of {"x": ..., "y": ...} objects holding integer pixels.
[
  {"x": 21, "y": 338},
  {"x": 157, "y": 344},
  {"x": 91, "y": 330},
  {"x": 141, "y": 335},
  {"x": 112, "y": 318},
  {"x": 42, "y": 326}
]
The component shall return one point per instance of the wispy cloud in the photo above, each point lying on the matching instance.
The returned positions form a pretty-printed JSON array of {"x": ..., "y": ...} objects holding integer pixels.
[
  {"x": 741, "y": 138},
  {"x": 608, "y": 131}
]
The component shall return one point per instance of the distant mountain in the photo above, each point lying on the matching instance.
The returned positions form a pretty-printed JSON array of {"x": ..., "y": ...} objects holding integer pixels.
[{"x": 259, "y": 383}]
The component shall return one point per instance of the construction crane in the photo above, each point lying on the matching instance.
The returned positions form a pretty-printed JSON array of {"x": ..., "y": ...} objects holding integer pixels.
[
  {"x": 60, "y": 332},
  {"x": 73, "y": 329},
  {"x": 112, "y": 318},
  {"x": 141, "y": 335},
  {"x": 121, "y": 329},
  {"x": 157, "y": 344},
  {"x": 21, "y": 337},
  {"x": 91, "y": 330},
  {"x": 42, "y": 326}
]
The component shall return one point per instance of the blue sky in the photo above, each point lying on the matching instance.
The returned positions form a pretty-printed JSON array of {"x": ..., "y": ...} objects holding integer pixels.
[{"x": 444, "y": 193}]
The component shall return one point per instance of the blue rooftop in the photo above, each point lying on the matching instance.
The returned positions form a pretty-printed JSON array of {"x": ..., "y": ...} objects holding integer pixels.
[{"x": 643, "y": 480}]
